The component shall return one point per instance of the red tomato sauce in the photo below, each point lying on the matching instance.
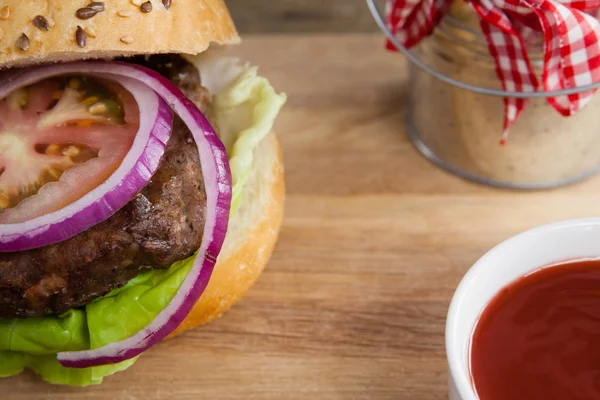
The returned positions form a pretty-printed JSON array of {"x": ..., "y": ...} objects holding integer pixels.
[{"x": 539, "y": 337}]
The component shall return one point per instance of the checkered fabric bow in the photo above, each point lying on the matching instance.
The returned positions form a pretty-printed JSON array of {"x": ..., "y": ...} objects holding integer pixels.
[{"x": 571, "y": 48}]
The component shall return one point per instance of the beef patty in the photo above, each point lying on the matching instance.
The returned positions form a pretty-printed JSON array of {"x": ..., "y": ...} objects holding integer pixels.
[
  {"x": 179, "y": 71},
  {"x": 161, "y": 225}
]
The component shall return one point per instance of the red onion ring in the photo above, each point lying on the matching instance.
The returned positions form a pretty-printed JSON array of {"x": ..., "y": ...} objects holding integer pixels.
[
  {"x": 136, "y": 169},
  {"x": 217, "y": 179}
]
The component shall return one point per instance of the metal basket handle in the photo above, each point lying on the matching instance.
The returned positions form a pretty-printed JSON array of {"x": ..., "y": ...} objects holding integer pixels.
[{"x": 379, "y": 19}]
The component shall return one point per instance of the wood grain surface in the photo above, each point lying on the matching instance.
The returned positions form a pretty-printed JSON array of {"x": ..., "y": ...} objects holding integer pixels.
[
  {"x": 294, "y": 16},
  {"x": 374, "y": 242}
]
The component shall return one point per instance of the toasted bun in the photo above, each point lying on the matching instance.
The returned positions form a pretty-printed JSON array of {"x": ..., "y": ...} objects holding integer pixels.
[
  {"x": 250, "y": 239},
  {"x": 187, "y": 26}
]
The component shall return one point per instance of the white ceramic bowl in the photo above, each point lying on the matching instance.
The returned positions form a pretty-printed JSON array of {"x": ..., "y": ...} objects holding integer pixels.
[{"x": 539, "y": 247}]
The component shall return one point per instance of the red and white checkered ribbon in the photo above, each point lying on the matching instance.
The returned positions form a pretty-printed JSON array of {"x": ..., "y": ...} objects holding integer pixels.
[{"x": 571, "y": 43}]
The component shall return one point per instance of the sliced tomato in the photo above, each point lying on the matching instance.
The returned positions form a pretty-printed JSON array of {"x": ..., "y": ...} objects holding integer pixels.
[{"x": 59, "y": 139}]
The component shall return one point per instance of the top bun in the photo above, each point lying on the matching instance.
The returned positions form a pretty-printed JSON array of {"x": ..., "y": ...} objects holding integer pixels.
[{"x": 39, "y": 31}]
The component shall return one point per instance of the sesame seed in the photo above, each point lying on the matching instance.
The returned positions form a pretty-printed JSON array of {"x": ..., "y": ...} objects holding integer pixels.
[
  {"x": 23, "y": 42},
  {"x": 166, "y": 3},
  {"x": 41, "y": 23},
  {"x": 96, "y": 5},
  {"x": 88, "y": 101},
  {"x": 146, "y": 7},
  {"x": 136, "y": 3},
  {"x": 85, "y": 13},
  {"x": 124, "y": 13},
  {"x": 5, "y": 12},
  {"x": 71, "y": 151},
  {"x": 1, "y": 33},
  {"x": 98, "y": 109},
  {"x": 80, "y": 37},
  {"x": 127, "y": 39},
  {"x": 91, "y": 32},
  {"x": 50, "y": 21}
]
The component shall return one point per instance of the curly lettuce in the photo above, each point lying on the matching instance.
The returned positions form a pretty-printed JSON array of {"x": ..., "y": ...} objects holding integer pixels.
[{"x": 243, "y": 109}]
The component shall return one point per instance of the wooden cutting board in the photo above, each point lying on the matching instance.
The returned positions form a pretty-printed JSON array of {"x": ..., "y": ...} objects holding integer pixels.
[{"x": 374, "y": 241}]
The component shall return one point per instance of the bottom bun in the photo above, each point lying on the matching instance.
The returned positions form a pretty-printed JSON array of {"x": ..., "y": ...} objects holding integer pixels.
[{"x": 250, "y": 240}]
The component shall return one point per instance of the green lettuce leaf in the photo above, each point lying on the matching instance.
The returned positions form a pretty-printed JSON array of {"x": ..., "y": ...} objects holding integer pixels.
[
  {"x": 45, "y": 335},
  {"x": 34, "y": 342},
  {"x": 125, "y": 311},
  {"x": 245, "y": 113},
  {"x": 243, "y": 109},
  {"x": 11, "y": 363}
]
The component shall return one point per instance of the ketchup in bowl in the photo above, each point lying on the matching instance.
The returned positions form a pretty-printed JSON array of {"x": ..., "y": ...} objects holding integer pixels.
[{"x": 539, "y": 337}]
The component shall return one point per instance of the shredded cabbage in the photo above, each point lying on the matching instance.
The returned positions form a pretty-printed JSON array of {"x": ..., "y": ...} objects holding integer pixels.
[{"x": 242, "y": 112}]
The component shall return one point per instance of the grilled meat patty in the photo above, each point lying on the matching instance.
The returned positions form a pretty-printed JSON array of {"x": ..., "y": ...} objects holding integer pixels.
[
  {"x": 179, "y": 71},
  {"x": 161, "y": 225}
]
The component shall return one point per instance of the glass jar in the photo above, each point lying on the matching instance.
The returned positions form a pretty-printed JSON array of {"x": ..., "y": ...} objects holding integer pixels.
[{"x": 460, "y": 129}]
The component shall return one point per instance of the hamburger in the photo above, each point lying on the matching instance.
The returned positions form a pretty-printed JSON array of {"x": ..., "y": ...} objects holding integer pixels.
[{"x": 141, "y": 187}]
